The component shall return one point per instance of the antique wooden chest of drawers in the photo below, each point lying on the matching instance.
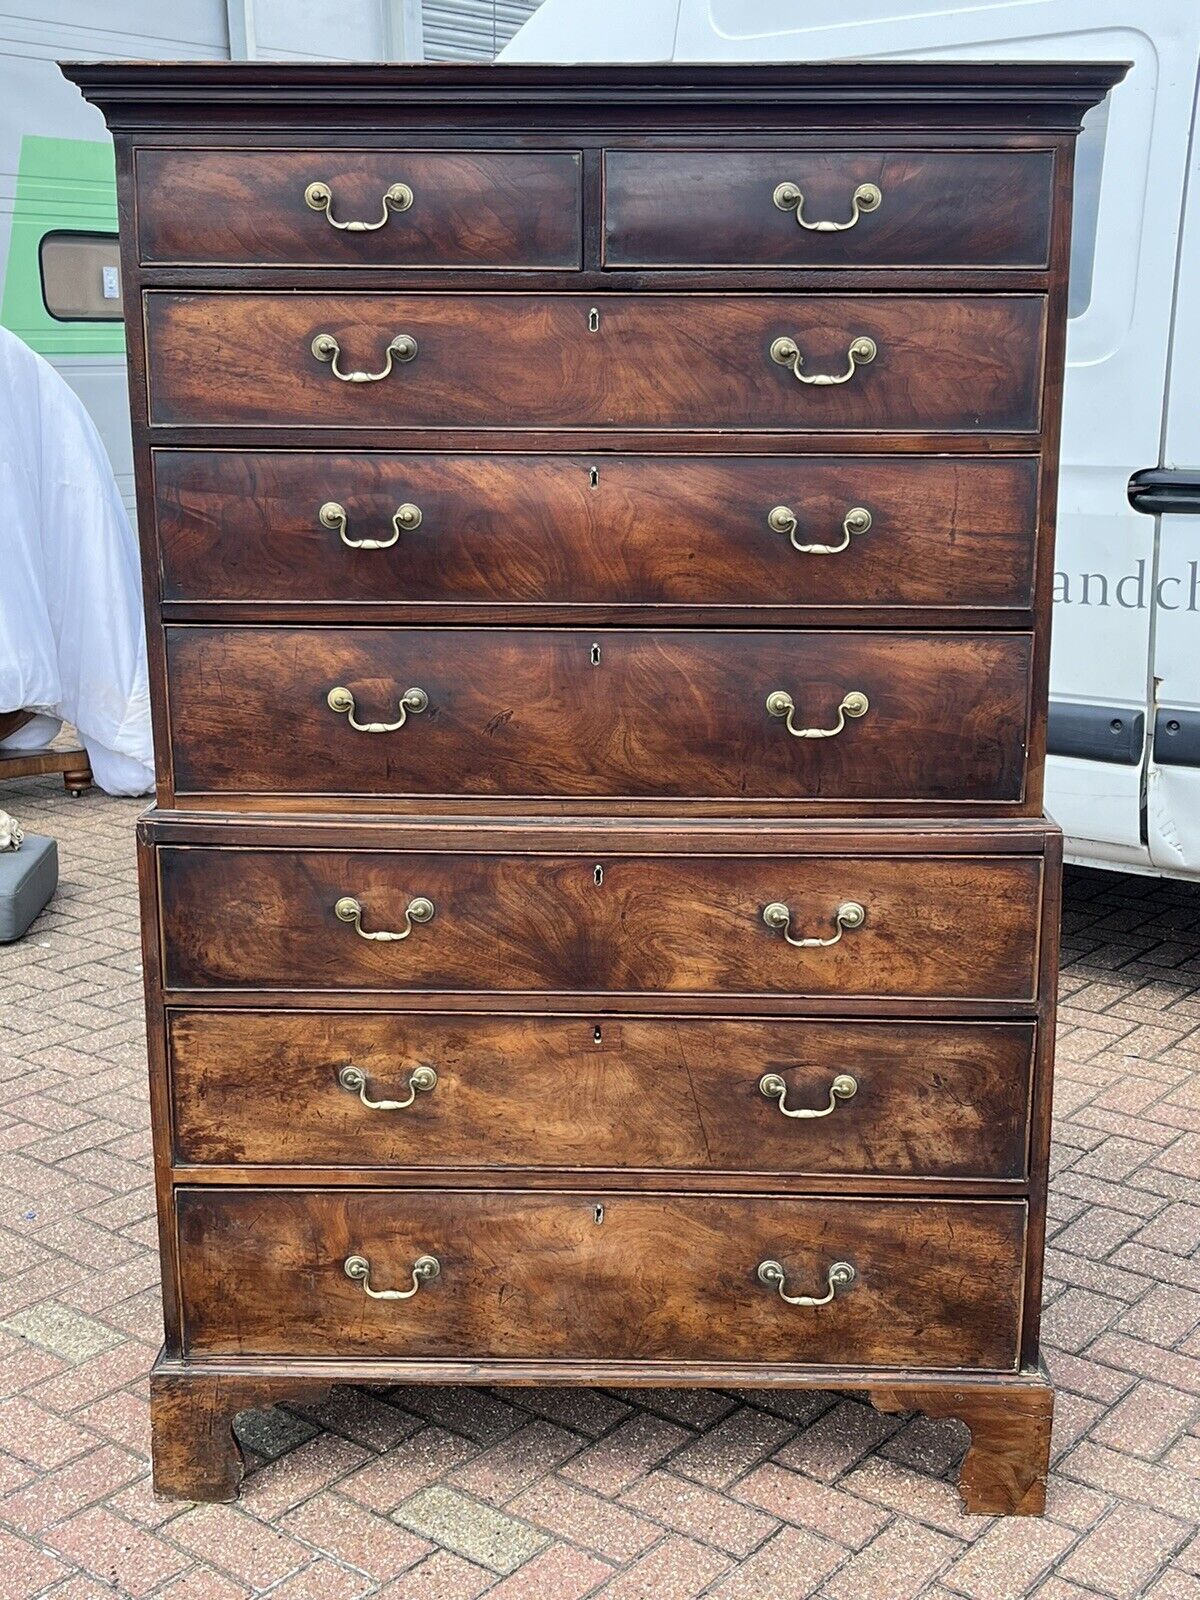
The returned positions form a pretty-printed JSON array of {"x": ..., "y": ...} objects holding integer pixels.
[{"x": 600, "y": 922}]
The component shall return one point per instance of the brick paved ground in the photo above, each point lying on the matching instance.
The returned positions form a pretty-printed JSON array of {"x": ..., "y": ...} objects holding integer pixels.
[{"x": 554, "y": 1495}]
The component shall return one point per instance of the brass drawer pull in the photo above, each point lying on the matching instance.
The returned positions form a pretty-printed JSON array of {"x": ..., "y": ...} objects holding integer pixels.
[
  {"x": 848, "y": 915},
  {"x": 843, "y": 1087},
  {"x": 866, "y": 198},
  {"x": 786, "y": 352},
  {"x": 319, "y": 197},
  {"x": 348, "y": 909},
  {"x": 402, "y": 348},
  {"x": 424, "y": 1270},
  {"x": 782, "y": 519},
  {"x": 404, "y": 519},
  {"x": 840, "y": 1276},
  {"x": 421, "y": 1081},
  {"x": 854, "y": 704},
  {"x": 341, "y": 700}
]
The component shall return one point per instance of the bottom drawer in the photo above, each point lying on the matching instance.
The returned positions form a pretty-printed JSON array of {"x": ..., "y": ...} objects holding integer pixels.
[{"x": 936, "y": 1283}]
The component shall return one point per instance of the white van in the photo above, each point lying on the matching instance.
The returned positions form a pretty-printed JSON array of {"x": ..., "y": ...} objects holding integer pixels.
[{"x": 1123, "y": 777}]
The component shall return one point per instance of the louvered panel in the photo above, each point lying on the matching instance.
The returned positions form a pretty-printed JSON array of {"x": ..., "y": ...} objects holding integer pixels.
[{"x": 471, "y": 30}]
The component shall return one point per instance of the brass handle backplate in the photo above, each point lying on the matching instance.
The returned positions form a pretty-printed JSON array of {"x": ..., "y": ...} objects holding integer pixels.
[
  {"x": 843, "y": 1087},
  {"x": 782, "y": 519},
  {"x": 866, "y": 198},
  {"x": 341, "y": 700},
  {"x": 402, "y": 348},
  {"x": 854, "y": 704},
  {"x": 786, "y": 353},
  {"x": 424, "y": 1270},
  {"x": 319, "y": 197},
  {"x": 348, "y": 909},
  {"x": 840, "y": 1276},
  {"x": 848, "y": 915},
  {"x": 421, "y": 1081},
  {"x": 404, "y": 519}
]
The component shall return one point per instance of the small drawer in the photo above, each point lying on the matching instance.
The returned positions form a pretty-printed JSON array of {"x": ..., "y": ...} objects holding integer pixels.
[
  {"x": 922, "y": 926},
  {"x": 827, "y": 208},
  {"x": 531, "y": 531},
  {"x": 881, "y": 363},
  {"x": 666, "y": 1094},
  {"x": 340, "y": 207},
  {"x": 912, "y": 1283},
  {"x": 813, "y": 719}
]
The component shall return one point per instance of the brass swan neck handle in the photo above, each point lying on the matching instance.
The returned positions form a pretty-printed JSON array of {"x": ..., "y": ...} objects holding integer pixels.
[
  {"x": 840, "y": 1276},
  {"x": 424, "y": 1270},
  {"x": 421, "y": 1081},
  {"x": 785, "y": 352},
  {"x": 854, "y": 703},
  {"x": 405, "y": 519},
  {"x": 866, "y": 198},
  {"x": 319, "y": 197},
  {"x": 782, "y": 519},
  {"x": 420, "y": 909},
  {"x": 326, "y": 348},
  {"x": 340, "y": 699},
  {"x": 849, "y": 915},
  {"x": 843, "y": 1087}
]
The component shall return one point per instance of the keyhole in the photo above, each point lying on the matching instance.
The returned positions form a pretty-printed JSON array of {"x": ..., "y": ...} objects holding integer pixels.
[
  {"x": 594, "y": 478},
  {"x": 593, "y": 320},
  {"x": 598, "y": 879},
  {"x": 595, "y": 655},
  {"x": 598, "y": 1213},
  {"x": 597, "y": 1037}
]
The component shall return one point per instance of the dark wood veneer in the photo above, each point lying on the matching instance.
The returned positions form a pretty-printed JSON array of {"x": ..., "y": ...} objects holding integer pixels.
[
  {"x": 586, "y": 531},
  {"x": 970, "y": 363}
]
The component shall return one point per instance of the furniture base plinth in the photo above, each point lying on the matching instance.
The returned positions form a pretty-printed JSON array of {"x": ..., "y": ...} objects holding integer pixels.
[{"x": 197, "y": 1456}]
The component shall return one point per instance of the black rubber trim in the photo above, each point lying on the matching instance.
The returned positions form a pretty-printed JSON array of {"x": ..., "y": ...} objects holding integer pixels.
[
  {"x": 1177, "y": 738},
  {"x": 1096, "y": 733},
  {"x": 1175, "y": 490}
]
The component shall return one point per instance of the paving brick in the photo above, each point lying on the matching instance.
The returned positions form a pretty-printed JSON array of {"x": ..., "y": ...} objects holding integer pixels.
[
  {"x": 1010, "y": 1558},
  {"x": 339, "y": 1528},
  {"x": 794, "y": 1497},
  {"x": 790, "y": 1566},
  {"x": 676, "y": 1569},
  {"x": 24, "y": 1569},
  {"x": 621, "y": 1457},
  {"x": 699, "y": 1513},
  {"x": 1148, "y": 1420},
  {"x": 1166, "y": 1315},
  {"x": 736, "y": 1443},
  {"x": 560, "y": 1572},
  {"x": 293, "y": 1478},
  {"x": 843, "y": 1436},
  {"x": 896, "y": 1566},
  {"x": 569, "y": 1512},
  {"x": 420, "y": 1459},
  {"x": 33, "y": 1434},
  {"x": 239, "y": 1544},
  {"x": 69, "y": 1488},
  {"x": 469, "y": 1528},
  {"x": 518, "y": 1460},
  {"x": 322, "y": 1580},
  {"x": 1125, "y": 1551},
  {"x": 131, "y": 1559},
  {"x": 441, "y": 1576}
]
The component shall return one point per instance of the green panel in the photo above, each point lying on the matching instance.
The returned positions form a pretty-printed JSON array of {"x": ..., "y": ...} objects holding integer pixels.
[{"x": 61, "y": 184}]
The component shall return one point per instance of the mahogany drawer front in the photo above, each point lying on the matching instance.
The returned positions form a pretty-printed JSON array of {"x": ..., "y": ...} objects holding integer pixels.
[
  {"x": 463, "y": 208},
  {"x": 540, "y": 713},
  {"x": 936, "y": 1283},
  {"x": 955, "y": 363},
  {"x": 929, "y": 208},
  {"x": 288, "y": 1088},
  {"x": 573, "y": 530},
  {"x": 953, "y": 927}
]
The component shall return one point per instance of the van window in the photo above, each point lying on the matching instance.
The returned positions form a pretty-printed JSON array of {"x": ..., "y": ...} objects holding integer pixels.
[
  {"x": 1089, "y": 165},
  {"x": 81, "y": 276}
]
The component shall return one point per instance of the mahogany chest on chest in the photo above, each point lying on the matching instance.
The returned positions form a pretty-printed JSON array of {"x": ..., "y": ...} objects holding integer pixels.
[{"x": 600, "y": 924}]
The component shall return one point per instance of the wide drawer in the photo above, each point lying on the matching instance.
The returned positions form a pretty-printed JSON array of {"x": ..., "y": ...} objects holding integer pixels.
[
  {"x": 953, "y": 926},
  {"x": 827, "y": 208},
  {"x": 573, "y": 530},
  {"x": 538, "y": 713},
  {"x": 736, "y": 1095},
  {"x": 608, "y": 1276},
  {"x": 954, "y": 363},
  {"x": 278, "y": 208}
]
